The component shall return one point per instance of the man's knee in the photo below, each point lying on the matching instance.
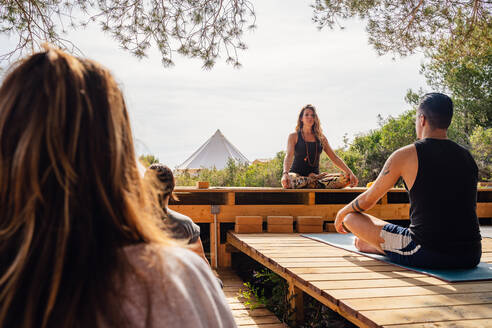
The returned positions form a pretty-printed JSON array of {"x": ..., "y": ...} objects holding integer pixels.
[{"x": 351, "y": 220}]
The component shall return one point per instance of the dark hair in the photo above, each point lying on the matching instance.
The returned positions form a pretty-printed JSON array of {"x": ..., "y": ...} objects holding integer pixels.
[
  {"x": 437, "y": 109},
  {"x": 165, "y": 179},
  {"x": 70, "y": 194}
]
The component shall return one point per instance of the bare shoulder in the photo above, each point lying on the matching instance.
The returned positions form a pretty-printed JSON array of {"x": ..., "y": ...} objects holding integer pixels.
[
  {"x": 293, "y": 137},
  {"x": 324, "y": 143},
  {"x": 405, "y": 152},
  {"x": 405, "y": 156}
]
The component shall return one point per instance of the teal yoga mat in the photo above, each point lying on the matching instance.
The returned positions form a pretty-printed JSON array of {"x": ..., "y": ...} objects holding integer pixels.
[{"x": 346, "y": 241}]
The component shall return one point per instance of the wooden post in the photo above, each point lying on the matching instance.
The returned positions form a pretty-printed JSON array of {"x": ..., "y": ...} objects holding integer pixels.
[
  {"x": 231, "y": 198},
  {"x": 224, "y": 256},
  {"x": 384, "y": 200},
  {"x": 217, "y": 240},
  {"x": 213, "y": 240},
  {"x": 312, "y": 198},
  {"x": 296, "y": 302},
  {"x": 215, "y": 210}
]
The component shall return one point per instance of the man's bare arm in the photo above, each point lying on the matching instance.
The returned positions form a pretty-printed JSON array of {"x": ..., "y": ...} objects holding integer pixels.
[
  {"x": 385, "y": 181},
  {"x": 386, "y": 168},
  {"x": 356, "y": 206},
  {"x": 387, "y": 178}
]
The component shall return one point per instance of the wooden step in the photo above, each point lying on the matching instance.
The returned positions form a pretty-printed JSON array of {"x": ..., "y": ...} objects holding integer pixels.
[
  {"x": 280, "y": 223},
  {"x": 248, "y": 224}
]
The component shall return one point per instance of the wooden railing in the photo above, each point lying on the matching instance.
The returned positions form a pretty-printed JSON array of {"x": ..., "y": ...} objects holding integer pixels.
[{"x": 218, "y": 207}]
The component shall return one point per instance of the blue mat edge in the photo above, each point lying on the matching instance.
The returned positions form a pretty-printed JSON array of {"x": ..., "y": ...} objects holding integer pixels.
[{"x": 382, "y": 259}]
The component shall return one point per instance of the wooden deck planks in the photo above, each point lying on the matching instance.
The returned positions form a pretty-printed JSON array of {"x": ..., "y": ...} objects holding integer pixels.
[
  {"x": 348, "y": 275},
  {"x": 368, "y": 292},
  {"x": 244, "y": 315},
  {"x": 376, "y": 283},
  {"x": 480, "y": 323},
  {"x": 445, "y": 288},
  {"x": 405, "y": 302},
  {"x": 342, "y": 269},
  {"x": 430, "y": 314}
]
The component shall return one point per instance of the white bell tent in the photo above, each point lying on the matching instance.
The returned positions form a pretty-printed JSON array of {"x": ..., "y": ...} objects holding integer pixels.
[{"x": 215, "y": 152}]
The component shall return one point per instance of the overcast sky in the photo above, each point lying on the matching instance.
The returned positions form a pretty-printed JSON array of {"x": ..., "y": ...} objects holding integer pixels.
[{"x": 288, "y": 64}]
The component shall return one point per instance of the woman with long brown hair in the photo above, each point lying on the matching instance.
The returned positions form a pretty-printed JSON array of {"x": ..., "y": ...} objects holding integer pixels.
[
  {"x": 80, "y": 239},
  {"x": 304, "y": 148}
]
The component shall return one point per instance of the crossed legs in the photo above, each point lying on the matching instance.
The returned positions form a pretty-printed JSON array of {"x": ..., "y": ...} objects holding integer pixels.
[{"x": 367, "y": 230}]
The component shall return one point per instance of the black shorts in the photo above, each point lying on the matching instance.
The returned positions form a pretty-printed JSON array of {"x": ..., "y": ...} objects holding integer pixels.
[{"x": 400, "y": 248}]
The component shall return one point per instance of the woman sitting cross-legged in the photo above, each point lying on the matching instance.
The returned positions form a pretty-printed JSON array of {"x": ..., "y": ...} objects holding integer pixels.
[
  {"x": 81, "y": 239},
  {"x": 304, "y": 148}
]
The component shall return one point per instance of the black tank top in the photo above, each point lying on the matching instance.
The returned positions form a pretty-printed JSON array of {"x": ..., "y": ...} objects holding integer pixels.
[
  {"x": 305, "y": 163},
  {"x": 443, "y": 198}
]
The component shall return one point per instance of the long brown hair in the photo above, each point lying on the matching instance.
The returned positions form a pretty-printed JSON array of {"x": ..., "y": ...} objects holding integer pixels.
[
  {"x": 316, "y": 128},
  {"x": 70, "y": 193}
]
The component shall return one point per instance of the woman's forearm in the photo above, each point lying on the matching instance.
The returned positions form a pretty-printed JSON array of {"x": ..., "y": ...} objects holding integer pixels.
[
  {"x": 288, "y": 162},
  {"x": 341, "y": 164}
]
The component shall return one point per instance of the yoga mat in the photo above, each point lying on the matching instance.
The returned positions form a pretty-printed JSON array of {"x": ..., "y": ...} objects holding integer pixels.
[
  {"x": 486, "y": 231},
  {"x": 346, "y": 241}
]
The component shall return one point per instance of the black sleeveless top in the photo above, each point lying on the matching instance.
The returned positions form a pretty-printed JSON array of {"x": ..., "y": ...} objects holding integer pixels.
[
  {"x": 306, "y": 162},
  {"x": 443, "y": 198}
]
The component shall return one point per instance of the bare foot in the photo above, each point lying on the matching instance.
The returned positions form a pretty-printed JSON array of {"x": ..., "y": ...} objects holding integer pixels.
[{"x": 366, "y": 247}]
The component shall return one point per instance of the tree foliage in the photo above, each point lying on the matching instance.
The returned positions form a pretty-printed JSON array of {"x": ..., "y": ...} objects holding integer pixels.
[
  {"x": 368, "y": 152},
  {"x": 481, "y": 149},
  {"x": 403, "y": 26},
  {"x": 465, "y": 72},
  {"x": 193, "y": 28}
]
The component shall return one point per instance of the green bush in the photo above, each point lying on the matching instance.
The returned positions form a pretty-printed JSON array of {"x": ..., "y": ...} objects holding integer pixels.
[{"x": 238, "y": 175}]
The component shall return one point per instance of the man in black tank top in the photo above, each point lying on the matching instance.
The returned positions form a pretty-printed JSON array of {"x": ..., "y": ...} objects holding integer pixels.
[{"x": 444, "y": 230}]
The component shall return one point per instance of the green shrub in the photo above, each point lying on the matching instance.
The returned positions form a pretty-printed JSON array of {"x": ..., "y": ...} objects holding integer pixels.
[{"x": 238, "y": 175}]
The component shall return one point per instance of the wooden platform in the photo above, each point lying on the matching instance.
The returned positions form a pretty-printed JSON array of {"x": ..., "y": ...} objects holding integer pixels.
[
  {"x": 245, "y": 317},
  {"x": 218, "y": 207},
  {"x": 368, "y": 292}
]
